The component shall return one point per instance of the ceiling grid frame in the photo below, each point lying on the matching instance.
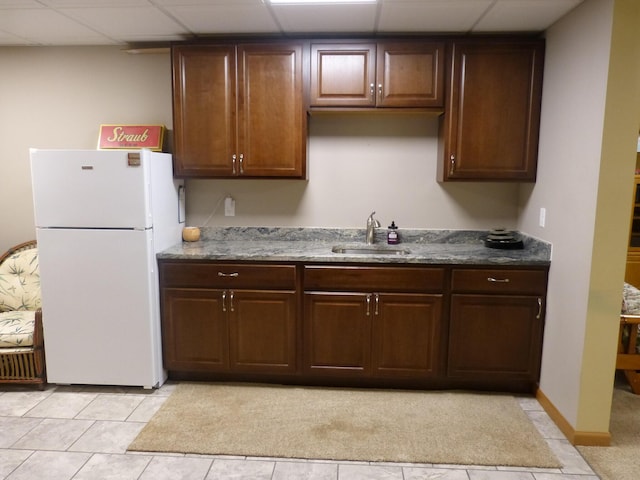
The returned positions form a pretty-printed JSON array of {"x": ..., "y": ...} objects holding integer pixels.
[{"x": 130, "y": 22}]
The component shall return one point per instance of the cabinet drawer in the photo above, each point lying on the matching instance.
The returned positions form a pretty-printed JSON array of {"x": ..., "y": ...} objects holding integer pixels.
[
  {"x": 227, "y": 275},
  {"x": 373, "y": 279},
  {"x": 499, "y": 281}
]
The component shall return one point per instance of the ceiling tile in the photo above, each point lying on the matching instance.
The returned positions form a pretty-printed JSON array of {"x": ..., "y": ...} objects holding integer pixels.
[
  {"x": 107, "y": 22},
  {"x": 235, "y": 17},
  {"x": 95, "y": 3},
  {"x": 20, "y": 4},
  {"x": 431, "y": 15},
  {"x": 326, "y": 18},
  {"x": 208, "y": 3},
  {"x": 524, "y": 15},
  {"x": 48, "y": 27},
  {"x": 9, "y": 39},
  {"x": 128, "y": 23}
]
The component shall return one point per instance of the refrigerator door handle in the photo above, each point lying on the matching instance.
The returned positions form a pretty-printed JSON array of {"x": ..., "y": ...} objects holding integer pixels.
[{"x": 182, "y": 214}]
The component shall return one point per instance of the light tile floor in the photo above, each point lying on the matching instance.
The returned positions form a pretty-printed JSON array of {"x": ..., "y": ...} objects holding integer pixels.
[{"x": 82, "y": 433}]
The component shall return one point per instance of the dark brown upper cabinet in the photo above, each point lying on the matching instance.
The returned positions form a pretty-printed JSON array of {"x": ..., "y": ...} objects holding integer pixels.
[
  {"x": 489, "y": 130},
  {"x": 239, "y": 110},
  {"x": 377, "y": 74}
]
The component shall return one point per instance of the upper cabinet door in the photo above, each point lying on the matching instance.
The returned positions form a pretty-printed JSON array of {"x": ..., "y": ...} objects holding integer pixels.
[
  {"x": 492, "y": 116},
  {"x": 272, "y": 119},
  {"x": 204, "y": 110},
  {"x": 410, "y": 74},
  {"x": 386, "y": 74},
  {"x": 343, "y": 75},
  {"x": 256, "y": 127}
]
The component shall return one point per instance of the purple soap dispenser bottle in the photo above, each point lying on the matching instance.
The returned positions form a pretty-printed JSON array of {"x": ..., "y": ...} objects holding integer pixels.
[{"x": 392, "y": 234}]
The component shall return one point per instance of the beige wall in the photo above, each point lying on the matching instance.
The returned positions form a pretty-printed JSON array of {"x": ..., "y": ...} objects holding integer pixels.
[
  {"x": 587, "y": 157},
  {"x": 58, "y": 97},
  {"x": 358, "y": 164}
]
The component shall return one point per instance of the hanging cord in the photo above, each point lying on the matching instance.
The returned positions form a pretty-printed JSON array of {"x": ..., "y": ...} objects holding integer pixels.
[{"x": 215, "y": 209}]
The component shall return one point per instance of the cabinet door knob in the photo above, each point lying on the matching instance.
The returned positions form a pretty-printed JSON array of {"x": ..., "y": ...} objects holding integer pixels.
[{"x": 452, "y": 166}]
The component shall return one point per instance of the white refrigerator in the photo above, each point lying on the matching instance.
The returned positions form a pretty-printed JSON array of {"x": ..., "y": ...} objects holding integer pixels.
[{"x": 101, "y": 217}]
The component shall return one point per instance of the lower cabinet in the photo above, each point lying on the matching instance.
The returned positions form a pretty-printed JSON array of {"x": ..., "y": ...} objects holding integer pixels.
[
  {"x": 372, "y": 334},
  {"x": 194, "y": 330},
  {"x": 406, "y": 335},
  {"x": 496, "y": 325},
  {"x": 337, "y": 334},
  {"x": 407, "y": 326},
  {"x": 375, "y": 333},
  {"x": 232, "y": 329},
  {"x": 262, "y": 331}
]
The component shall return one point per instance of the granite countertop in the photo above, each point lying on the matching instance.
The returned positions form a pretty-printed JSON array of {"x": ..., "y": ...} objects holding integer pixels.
[{"x": 308, "y": 245}]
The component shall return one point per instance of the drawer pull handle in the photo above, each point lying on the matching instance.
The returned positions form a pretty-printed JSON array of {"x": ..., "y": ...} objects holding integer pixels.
[
  {"x": 497, "y": 280},
  {"x": 234, "y": 274},
  {"x": 377, "y": 304},
  {"x": 224, "y": 300},
  {"x": 368, "y": 304},
  {"x": 231, "y": 301},
  {"x": 539, "y": 309}
]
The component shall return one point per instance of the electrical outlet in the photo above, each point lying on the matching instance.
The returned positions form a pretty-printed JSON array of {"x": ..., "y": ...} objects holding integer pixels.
[
  {"x": 229, "y": 207},
  {"x": 543, "y": 216}
]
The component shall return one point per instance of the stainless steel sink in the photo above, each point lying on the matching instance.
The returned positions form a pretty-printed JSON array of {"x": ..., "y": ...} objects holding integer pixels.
[{"x": 369, "y": 250}]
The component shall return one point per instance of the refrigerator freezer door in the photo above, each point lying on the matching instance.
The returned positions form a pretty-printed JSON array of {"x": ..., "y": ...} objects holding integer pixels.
[
  {"x": 100, "y": 307},
  {"x": 91, "y": 189}
]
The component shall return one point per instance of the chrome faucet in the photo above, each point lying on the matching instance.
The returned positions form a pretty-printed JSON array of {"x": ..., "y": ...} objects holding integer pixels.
[{"x": 372, "y": 224}]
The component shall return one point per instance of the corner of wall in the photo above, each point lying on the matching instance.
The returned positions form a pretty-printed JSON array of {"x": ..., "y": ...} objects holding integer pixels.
[{"x": 589, "y": 439}]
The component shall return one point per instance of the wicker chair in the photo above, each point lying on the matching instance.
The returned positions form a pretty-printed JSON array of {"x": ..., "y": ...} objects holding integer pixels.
[
  {"x": 628, "y": 359},
  {"x": 21, "y": 340}
]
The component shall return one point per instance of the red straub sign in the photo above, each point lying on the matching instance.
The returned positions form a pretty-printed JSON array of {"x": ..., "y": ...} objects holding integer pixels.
[{"x": 131, "y": 136}]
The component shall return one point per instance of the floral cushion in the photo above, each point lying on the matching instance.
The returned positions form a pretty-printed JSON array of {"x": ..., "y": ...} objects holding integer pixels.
[
  {"x": 20, "y": 281},
  {"x": 630, "y": 300},
  {"x": 16, "y": 328},
  {"x": 630, "y": 306}
]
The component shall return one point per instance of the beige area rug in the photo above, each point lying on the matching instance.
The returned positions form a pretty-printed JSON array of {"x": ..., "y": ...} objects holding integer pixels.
[
  {"x": 345, "y": 424},
  {"x": 620, "y": 460}
]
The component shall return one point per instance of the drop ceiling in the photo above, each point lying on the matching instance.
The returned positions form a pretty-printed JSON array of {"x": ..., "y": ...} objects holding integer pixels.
[{"x": 127, "y": 22}]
